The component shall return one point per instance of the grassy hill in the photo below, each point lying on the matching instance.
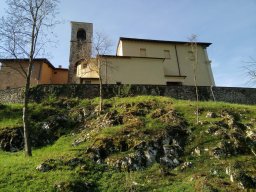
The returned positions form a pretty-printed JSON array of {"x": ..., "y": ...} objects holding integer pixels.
[{"x": 140, "y": 143}]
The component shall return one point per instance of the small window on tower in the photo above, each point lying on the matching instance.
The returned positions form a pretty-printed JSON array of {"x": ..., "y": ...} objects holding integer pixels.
[
  {"x": 81, "y": 35},
  {"x": 143, "y": 52},
  {"x": 84, "y": 65}
]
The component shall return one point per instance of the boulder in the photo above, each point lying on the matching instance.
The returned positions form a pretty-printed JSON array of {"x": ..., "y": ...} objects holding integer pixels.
[
  {"x": 49, "y": 164},
  {"x": 211, "y": 115},
  {"x": 11, "y": 139},
  {"x": 44, "y": 167},
  {"x": 186, "y": 165},
  {"x": 240, "y": 177},
  {"x": 165, "y": 149},
  {"x": 74, "y": 186},
  {"x": 74, "y": 162}
]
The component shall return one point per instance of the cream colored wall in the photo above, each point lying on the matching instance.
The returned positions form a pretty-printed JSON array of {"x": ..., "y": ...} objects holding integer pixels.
[
  {"x": 155, "y": 69},
  {"x": 208, "y": 64},
  {"x": 132, "y": 48},
  {"x": 89, "y": 81},
  {"x": 179, "y": 64},
  {"x": 170, "y": 67},
  {"x": 120, "y": 49},
  {"x": 203, "y": 72},
  {"x": 90, "y": 71},
  {"x": 152, "y": 71},
  {"x": 133, "y": 71}
]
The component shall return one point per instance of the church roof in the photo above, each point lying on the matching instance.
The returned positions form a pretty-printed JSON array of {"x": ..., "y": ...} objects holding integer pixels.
[
  {"x": 37, "y": 59},
  {"x": 161, "y": 41}
]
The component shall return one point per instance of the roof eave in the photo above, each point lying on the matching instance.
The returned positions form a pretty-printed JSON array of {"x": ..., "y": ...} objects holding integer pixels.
[{"x": 161, "y": 41}]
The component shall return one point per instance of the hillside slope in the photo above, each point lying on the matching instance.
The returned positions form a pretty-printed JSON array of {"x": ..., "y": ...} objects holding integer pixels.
[{"x": 141, "y": 143}]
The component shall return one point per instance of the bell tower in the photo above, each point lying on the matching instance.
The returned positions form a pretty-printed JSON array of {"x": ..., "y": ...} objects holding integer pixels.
[{"x": 80, "y": 45}]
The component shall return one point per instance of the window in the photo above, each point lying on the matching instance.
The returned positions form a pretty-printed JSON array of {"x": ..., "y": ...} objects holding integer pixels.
[
  {"x": 118, "y": 83},
  {"x": 55, "y": 72},
  {"x": 167, "y": 54},
  {"x": 173, "y": 83},
  {"x": 81, "y": 35},
  {"x": 84, "y": 65},
  {"x": 143, "y": 52},
  {"x": 85, "y": 81}
]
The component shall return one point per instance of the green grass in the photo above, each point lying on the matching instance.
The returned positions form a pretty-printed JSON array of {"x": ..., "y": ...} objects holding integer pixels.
[
  {"x": 10, "y": 116},
  {"x": 188, "y": 108},
  {"x": 19, "y": 173}
]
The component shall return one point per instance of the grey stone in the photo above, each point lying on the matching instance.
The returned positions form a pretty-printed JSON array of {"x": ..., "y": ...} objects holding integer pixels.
[
  {"x": 38, "y": 93},
  {"x": 44, "y": 167},
  {"x": 211, "y": 115}
]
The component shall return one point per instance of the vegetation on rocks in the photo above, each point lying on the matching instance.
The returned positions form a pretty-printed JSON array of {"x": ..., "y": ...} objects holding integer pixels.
[{"x": 140, "y": 143}]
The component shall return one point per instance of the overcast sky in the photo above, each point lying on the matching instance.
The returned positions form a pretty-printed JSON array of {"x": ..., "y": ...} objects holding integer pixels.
[{"x": 230, "y": 25}]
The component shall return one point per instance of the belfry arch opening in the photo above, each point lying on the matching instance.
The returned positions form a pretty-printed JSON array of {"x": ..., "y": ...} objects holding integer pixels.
[{"x": 81, "y": 35}]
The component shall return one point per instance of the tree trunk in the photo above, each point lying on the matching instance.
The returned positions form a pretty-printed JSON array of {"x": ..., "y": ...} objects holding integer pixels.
[
  {"x": 195, "y": 63},
  {"x": 100, "y": 79},
  {"x": 101, "y": 97},
  {"x": 27, "y": 144}
]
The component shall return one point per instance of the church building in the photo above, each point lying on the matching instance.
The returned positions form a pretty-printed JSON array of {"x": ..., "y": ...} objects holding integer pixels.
[{"x": 138, "y": 61}]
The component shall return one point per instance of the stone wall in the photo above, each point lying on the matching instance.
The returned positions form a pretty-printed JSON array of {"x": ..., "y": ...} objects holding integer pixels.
[
  {"x": 12, "y": 95},
  {"x": 226, "y": 94}
]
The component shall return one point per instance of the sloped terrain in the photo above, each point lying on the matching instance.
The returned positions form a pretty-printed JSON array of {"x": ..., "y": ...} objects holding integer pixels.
[{"x": 135, "y": 144}]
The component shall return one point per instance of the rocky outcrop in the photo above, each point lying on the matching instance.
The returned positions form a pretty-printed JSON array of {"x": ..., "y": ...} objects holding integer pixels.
[
  {"x": 74, "y": 186},
  {"x": 235, "y": 137},
  {"x": 166, "y": 149},
  {"x": 51, "y": 164},
  {"x": 142, "y": 148},
  {"x": 11, "y": 139},
  {"x": 70, "y": 164},
  {"x": 47, "y": 122},
  {"x": 145, "y": 145},
  {"x": 240, "y": 177}
]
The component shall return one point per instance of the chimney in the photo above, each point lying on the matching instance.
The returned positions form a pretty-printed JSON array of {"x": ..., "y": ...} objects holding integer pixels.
[{"x": 60, "y": 66}]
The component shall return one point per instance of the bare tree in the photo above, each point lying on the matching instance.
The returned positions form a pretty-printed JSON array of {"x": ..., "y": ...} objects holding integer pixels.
[
  {"x": 24, "y": 33},
  {"x": 194, "y": 51},
  {"x": 95, "y": 62},
  {"x": 250, "y": 69},
  {"x": 17, "y": 68}
]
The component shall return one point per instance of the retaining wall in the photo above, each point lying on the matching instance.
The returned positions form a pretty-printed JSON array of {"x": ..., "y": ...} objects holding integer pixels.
[{"x": 226, "y": 94}]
